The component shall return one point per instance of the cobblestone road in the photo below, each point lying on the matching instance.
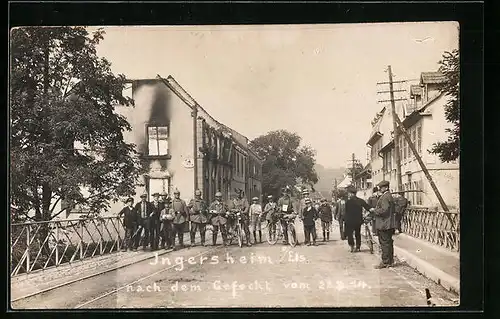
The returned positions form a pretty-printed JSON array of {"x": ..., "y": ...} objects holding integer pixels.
[{"x": 327, "y": 275}]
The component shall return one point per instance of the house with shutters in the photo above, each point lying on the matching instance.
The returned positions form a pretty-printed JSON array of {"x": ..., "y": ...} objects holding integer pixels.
[{"x": 423, "y": 116}]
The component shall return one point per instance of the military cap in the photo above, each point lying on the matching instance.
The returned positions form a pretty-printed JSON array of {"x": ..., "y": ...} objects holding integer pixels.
[
  {"x": 269, "y": 196},
  {"x": 176, "y": 191},
  {"x": 156, "y": 194},
  {"x": 308, "y": 200},
  {"x": 218, "y": 194},
  {"x": 197, "y": 192},
  {"x": 383, "y": 184},
  {"x": 255, "y": 198},
  {"x": 164, "y": 194},
  {"x": 144, "y": 195},
  {"x": 129, "y": 200}
]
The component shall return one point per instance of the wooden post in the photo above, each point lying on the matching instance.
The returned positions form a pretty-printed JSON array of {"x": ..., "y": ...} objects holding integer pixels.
[
  {"x": 424, "y": 169},
  {"x": 195, "y": 145},
  {"x": 57, "y": 243},
  {"x": 396, "y": 132},
  {"x": 28, "y": 249}
]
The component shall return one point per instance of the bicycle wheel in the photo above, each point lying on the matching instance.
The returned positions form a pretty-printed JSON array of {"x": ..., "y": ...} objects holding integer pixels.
[
  {"x": 369, "y": 238},
  {"x": 230, "y": 235},
  {"x": 239, "y": 234},
  {"x": 292, "y": 236},
  {"x": 272, "y": 236}
]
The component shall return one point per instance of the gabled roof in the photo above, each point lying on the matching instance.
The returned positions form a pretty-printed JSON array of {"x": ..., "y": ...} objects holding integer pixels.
[
  {"x": 432, "y": 78},
  {"x": 416, "y": 90}
]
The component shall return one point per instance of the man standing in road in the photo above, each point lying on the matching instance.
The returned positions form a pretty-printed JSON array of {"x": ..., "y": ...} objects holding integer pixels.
[
  {"x": 166, "y": 218},
  {"x": 218, "y": 219},
  {"x": 145, "y": 211},
  {"x": 325, "y": 214},
  {"x": 240, "y": 204},
  {"x": 155, "y": 221},
  {"x": 308, "y": 217},
  {"x": 255, "y": 213},
  {"x": 385, "y": 221},
  {"x": 198, "y": 217},
  {"x": 130, "y": 219},
  {"x": 180, "y": 211},
  {"x": 285, "y": 206},
  {"x": 354, "y": 217},
  {"x": 340, "y": 213},
  {"x": 270, "y": 210}
]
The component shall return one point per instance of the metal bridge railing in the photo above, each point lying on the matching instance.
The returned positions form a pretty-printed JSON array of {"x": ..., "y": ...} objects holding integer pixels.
[
  {"x": 437, "y": 227},
  {"x": 41, "y": 245}
]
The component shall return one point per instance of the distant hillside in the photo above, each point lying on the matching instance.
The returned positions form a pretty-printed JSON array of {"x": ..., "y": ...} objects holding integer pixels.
[{"x": 326, "y": 178}]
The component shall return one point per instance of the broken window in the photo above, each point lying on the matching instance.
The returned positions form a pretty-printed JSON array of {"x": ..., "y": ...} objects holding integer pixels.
[{"x": 157, "y": 140}]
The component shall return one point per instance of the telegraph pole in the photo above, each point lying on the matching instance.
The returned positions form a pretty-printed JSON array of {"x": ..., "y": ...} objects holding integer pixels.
[{"x": 396, "y": 132}]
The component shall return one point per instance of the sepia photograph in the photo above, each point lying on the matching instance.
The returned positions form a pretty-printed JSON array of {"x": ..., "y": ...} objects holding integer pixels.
[{"x": 235, "y": 166}]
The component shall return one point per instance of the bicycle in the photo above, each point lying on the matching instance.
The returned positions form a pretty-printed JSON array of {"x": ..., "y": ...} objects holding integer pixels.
[
  {"x": 368, "y": 233},
  {"x": 235, "y": 228},
  {"x": 276, "y": 233}
]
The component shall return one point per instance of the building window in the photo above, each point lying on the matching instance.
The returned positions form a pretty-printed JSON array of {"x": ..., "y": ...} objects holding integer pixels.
[
  {"x": 419, "y": 139},
  {"x": 157, "y": 140},
  {"x": 127, "y": 90},
  {"x": 158, "y": 185},
  {"x": 400, "y": 147},
  {"x": 414, "y": 138}
]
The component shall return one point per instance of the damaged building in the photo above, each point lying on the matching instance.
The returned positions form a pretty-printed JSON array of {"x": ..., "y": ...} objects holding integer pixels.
[{"x": 182, "y": 153}]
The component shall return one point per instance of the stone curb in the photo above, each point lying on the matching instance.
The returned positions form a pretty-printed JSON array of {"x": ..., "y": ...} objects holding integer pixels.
[
  {"x": 440, "y": 277},
  {"x": 440, "y": 249}
]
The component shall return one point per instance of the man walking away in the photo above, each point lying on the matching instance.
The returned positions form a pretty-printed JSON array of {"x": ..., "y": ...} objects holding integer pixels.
[
  {"x": 255, "y": 215},
  {"x": 354, "y": 218},
  {"x": 130, "y": 220},
  {"x": 198, "y": 217},
  {"x": 309, "y": 216},
  {"x": 145, "y": 210},
  {"x": 372, "y": 201},
  {"x": 325, "y": 214},
  {"x": 180, "y": 211},
  {"x": 385, "y": 220}
]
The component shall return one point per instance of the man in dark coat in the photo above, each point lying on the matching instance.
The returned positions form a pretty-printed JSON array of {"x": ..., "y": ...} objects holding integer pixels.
[
  {"x": 145, "y": 211},
  {"x": 325, "y": 214},
  {"x": 385, "y": 221},
  {"x": 180, "y": 211},
  {"x": 130, "y": 220},
  {"x": 198, "y": 216},
  {"x": 166, "y": 218},
  {"x": 154, "y": 231},
  {"x": 354, "y": 218},
  {"x": 285, "y": 207},
  {"x": 372, "y": 201},
  {"x": 340, "y": 213},
  {"x": 309, "y": 215}
]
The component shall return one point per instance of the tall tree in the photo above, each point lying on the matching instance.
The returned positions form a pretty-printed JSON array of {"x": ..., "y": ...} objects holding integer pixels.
[
  {"x": 285, "y": 162},
  {"x": 61, "y": 92},
  {"x": 450, "y": 66}
]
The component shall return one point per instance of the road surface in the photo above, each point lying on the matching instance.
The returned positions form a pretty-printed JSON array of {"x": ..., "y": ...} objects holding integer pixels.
[{"x": 327, "y": 275}]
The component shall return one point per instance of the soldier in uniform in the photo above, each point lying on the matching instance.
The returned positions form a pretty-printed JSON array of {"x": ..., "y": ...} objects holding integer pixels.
[
  {"x": 270, "y": 210},
  {"x": 285, "y": 206},
  {"x": 166, "y": 218},
  {"x": 218, "y": 218},
  {"x": 130, "y": 220},
  {"x": 255, "y": 213},
  {"x": 340, "y": 213},
  {"x": 240, "y": 204},
  {"x": 198, "y": 217},
  {"x": 145, "y": 211},
  {"x": 385, "y": 221},
  {"x": 155, "y": 221},
  {"x": 180, "y": 212},
  {"x": 325, "y": 214}
]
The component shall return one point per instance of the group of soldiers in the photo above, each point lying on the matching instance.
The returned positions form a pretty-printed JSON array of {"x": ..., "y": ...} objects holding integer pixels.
[{"x": 167, "y": 219}]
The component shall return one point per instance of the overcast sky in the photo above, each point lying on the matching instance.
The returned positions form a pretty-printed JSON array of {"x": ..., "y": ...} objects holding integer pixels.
[{"x": 316, "y": 80}]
